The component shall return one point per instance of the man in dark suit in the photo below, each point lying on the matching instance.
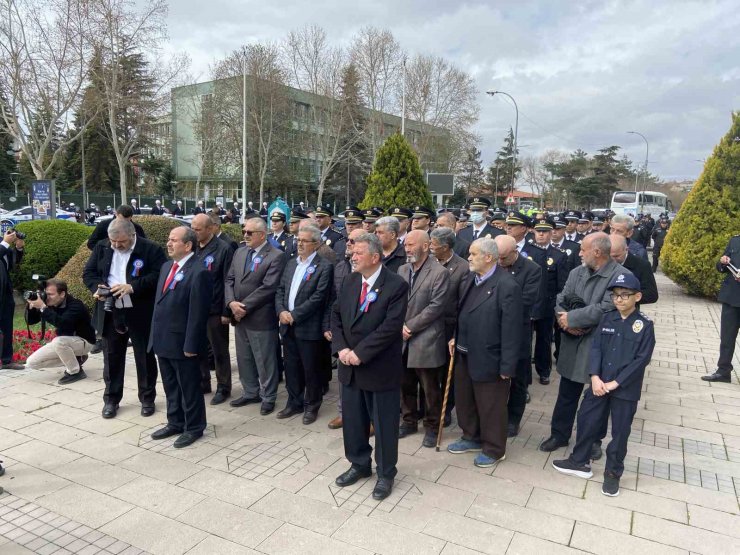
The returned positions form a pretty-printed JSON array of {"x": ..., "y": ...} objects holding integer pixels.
[
  {"x": 486, "y": 348},
  {"x": 729, "y": 296},
  {"x": 367, "y": 321},
  {"x": 250, "y": 288},
  {"x": 178, "y": 337},
  {"x": 329, "y": 236},
  {"x": 11, "y": 254},
  {"x": 215, "y": 256},
  {"x": 225, "y": 237},
  {"x": 638, "y": 266},
  {"x": 100, "y": 233},
  {"x": 178, "y": 210},
  {"x": 543, "y": 316},
  {"x": 571, "y": 229},
  {"x": 477, "y": 210},
  {"x": 387, "y": 229},
  {"x": 423, "y": 335},
  {"x": 304, "y": 291},
  {"x": 157, "y": 209},
  {"x": 462, "y": 246},
  {"x": 531, "y": 278},
  {"x": 624, "y": 225},
  {"x": 127, "y": 268}
]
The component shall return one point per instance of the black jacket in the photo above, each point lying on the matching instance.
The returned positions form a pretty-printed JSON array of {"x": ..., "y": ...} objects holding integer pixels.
[
  {"x": 226, "y": 238},
  {"x": 71, "y": 318},
  {"x": 466, "y": 233},
  {"x": 531, "y": 278},
  {"x": 729, "y": 292},
  {"x": 461, "y": 248},
  {"x": 150, "y": 256},
  {"x": 9, "y": 259},
  {"x": 556, "y": 274},
  {"x": 644, "y": 272},
  {"x": 396, "y": 259},
  {"x": 313, "y": 295},
  {"x": 216, "y": 257},
  {"x": 658, "y": 234},
  {"x": 100, "y": 233}
]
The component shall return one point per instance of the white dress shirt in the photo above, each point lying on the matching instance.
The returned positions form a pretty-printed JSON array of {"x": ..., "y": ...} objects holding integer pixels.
[
  {"x": 373, "y": 278},
  {"x": 298, "y": 275},
  {"x": 117, "y": 273}
]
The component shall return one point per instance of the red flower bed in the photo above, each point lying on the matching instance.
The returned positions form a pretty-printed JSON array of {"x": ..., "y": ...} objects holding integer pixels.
[{"x": 24, "y": 344}]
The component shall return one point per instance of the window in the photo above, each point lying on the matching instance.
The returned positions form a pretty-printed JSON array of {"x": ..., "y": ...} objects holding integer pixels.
[{"x": 624, "y": 197}]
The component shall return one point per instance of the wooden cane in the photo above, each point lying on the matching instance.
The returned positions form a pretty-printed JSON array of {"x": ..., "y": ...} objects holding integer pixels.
[{"x": 444, "y": 401}]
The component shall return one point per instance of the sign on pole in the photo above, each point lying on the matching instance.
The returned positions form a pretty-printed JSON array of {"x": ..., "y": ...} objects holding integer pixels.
[
  {"x": 42, "y": 200},
  {"x": 510, "y": 200}
]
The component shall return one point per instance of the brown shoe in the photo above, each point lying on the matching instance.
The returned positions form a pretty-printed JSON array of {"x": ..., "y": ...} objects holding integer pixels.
[{"x": 335, "y": 423}]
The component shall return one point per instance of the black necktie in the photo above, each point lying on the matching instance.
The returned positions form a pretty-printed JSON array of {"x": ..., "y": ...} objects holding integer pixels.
[
  {"x": 475, "y": 234},
  {"x": 248, "y": 265}
]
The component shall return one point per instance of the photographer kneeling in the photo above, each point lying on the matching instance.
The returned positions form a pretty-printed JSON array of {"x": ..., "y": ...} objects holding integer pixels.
[{"x": 75, "y": 335}]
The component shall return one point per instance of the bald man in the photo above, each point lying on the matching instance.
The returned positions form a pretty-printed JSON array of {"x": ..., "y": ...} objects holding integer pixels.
[
  {"x": 639, "y": 266},
  {"x": 424, "y": 342},
  {"x": 462, "y": 246}
]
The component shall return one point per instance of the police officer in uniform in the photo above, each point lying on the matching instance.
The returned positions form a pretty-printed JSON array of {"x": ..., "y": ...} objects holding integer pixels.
[
  {"x": 658, "y": 235},
  {"x": 570, "y": 248},
  {"x": 477, "y": 210},
  {"x": 556, "y": 273},
  {"x": 279, "y": 237},
  {"x": 371, "y": 216},
  {"x": 729, "y": 296},
  {"x": 422, "y": 218},
  {"x": 403, "y": 215},
  {"x": 353, "y": 219},
  {"x": 329, "y": 236},
  {"x": 571, "y": 219}
]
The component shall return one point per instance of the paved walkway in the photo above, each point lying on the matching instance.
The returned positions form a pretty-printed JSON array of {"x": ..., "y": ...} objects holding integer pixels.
[{"x": 79, "y": 484}]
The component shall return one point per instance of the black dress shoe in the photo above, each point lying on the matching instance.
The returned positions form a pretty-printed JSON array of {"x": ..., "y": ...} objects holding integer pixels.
[
  {"x": 287, "y": 412},
  {"x": 187, "y": 438},
  {"x": 544, "y": 380},
  {"x": 352, "y": 476},
  {"x": 430, "y": 439},
  {"x": 309, "y": 417},
  {"x": 383, "y": 488},
  {"x": 110, "y": 411},
  {"x": 167, "y": 431},
  {"x": 551, "y": 444},
  {"x": 717, "y": 377},
  {"x": 513, "y": 430},
  {"x": 220, "y": 397},
  {"x": 243, "y": 401},
  {"x": 147, "y": 410},
  {"x": 71, "y": 378},
  {"x": 267, "y": 408},
  {"x": 404, "y": 431},
  {"x": 97, "y": 348},
  {"x": 596, "y": 452}
]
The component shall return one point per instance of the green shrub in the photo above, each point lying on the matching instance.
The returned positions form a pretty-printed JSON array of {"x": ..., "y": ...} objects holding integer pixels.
[
  {"x": 707, "y": 219},
  {"x": 49, "y": 245},
  {"x": 234, "y": 231},
  {"x": 396, "y": 179},
  {"x": 157, "y": 228}
]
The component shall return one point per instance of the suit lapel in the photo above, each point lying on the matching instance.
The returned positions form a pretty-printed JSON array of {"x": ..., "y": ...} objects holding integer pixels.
[
  {"x": 315, "y": 265},
  {"x": 423, "y": 274},
  {"x": 489, "y": 285},
  {"x": 162, "y": 279}
]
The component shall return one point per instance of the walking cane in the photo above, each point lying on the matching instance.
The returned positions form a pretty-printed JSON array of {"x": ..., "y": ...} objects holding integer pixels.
[{"x": 444, "y": 401}]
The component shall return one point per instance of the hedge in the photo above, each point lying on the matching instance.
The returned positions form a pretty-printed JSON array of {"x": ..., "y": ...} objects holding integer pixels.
[
  {"x": 234, "y": 231},
  {"x": 709, "y": 216},
  {"x": 49, "y": 245},
  {"x": 157, "y": 228}
]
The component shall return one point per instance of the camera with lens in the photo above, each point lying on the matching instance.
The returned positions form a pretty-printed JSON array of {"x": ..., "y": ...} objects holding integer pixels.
[
  {"x": 40, "y": 288},
  {"x": 105, "y": 295},
  {"x": 18, "y": 234}
]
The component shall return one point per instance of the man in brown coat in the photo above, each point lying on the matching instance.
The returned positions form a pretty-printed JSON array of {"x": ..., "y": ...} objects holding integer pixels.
[{"x": 423, "y": 335}]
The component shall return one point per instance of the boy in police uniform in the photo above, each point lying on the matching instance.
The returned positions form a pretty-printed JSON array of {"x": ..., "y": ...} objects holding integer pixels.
[{"x": 620, "y": 352}]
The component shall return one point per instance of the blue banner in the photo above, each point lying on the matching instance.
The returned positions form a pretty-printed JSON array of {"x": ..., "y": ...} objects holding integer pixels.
[
  {"x": 281, "y": 206},
  {"x": 41, "y": 200}
]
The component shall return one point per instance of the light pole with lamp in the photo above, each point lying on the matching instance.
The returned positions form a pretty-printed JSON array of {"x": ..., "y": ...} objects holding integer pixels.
[
  {"x": 516, "y": 132},
  {"x": 647, "y": 152}
]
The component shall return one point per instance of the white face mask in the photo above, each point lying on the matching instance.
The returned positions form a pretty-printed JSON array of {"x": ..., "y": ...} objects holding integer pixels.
[{"x": 477, "y": 217}]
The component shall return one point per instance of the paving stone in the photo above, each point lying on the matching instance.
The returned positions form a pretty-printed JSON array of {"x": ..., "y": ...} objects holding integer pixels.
[
  {"x": 640, "y": 502},
  {"x": 157, "y": 496},
  {"x": 490, "y": 486},
  {"x": 95, "y": 474},
  {"x": 323, "y": 518},
  {"x": 289, "y": 539},
  {"x": 595, "y": 539},
  {"x": 226, "y": 487},
  {"x": 582, "y": 510},
  {"x": 160, "y": 467},
  {"x": 362, "y": 531},
  {"x": 214, "y": 544},
  {"x": 84, "y": 505},
  {"x": 682, "y": 536}
]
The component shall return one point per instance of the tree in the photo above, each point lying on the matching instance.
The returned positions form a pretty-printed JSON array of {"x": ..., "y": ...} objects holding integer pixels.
[
  {"x": 316, "y": 67},
  {"x": 502, "y": 173},
  {"x": 8, "y": 163},
  {"x": 535, "y": 175},
  {"x": 707, "y": 219},
  {"x": 396, "y": 179},
  {"x": 442, "y": 98},
  {"x": 44, "y": 55},
  {"x": 472, "y": 176},
  {"x": 379, "y": 61},
  {"x": 134, "y": 90},
  {"x": 607, "y": 173}
]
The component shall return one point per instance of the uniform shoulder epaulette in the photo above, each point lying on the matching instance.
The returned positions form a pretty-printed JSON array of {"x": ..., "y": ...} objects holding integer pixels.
[{"x": 644, "y": 316}]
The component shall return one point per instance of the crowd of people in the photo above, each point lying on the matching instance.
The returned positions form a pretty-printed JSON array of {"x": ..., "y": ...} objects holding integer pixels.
[{"x": 422, "y": 314}]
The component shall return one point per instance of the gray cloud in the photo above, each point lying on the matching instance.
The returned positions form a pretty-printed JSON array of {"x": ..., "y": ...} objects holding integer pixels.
[{"x": 582, "y": 73}]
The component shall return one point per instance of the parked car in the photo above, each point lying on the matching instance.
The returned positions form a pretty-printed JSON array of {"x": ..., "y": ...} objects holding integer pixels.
[{"x": 25, "y": 214}]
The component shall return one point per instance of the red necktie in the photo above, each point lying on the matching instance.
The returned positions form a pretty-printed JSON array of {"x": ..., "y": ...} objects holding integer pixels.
[
  {"x": 170, "y": 277},
  {"x": 363, "y": 294}
]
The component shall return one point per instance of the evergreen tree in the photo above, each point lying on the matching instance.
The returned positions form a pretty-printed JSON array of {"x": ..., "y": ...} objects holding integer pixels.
[
  {"x": 472, "y": 176},
  {"x": 607, "y": 173},
  {"x": 502, "y": 174},
  {"x": 396, "y": 179},
  {"x": 706, "y": 221}
]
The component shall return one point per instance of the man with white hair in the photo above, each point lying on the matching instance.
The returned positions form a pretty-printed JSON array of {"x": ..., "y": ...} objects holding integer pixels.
[{"x": 624, "y": 225}]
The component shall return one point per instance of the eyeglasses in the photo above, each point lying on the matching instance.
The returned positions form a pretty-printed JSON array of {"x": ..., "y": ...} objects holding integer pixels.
[
  {"x": 305, "y": 240},
  {"x": 623, "y": 296},
  {"x": 250, "y": 233}
]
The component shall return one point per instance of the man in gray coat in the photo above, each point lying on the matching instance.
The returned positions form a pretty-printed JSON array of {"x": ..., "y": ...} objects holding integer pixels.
[
  {"x": 578, "y": 310},
  {"x": 423, "y": 335}
]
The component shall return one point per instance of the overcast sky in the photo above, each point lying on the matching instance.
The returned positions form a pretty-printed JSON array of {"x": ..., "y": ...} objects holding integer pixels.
[{"x": 583, "y": 73}]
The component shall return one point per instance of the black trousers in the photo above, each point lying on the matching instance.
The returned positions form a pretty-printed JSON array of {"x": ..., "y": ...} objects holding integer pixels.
[
  {"x": 218, "y": 339},
  {"x": 518, "y": 392},
  {"x": 302, "y": 378},
  {"x": 186, "y": 406},
  {"x": 359, "y": 409},
  {"x": 566, "y": 407},
  {"x": 481, "y": 409},
  {"x": 115, "y": 346},
  {"x": 656, "y": 257},
  {"x": 729, "y": 326},
  {"x": 543, "y": 330},
  {"x": 324, "y": 368},
  {"x": 7, "y": 309},
  {"x": 592, "y": 420}
]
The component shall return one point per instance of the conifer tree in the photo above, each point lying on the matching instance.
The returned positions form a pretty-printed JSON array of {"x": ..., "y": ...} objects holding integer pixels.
[
  {"x": 396, "y": 179},
  {"x": 707, "y": 219}
]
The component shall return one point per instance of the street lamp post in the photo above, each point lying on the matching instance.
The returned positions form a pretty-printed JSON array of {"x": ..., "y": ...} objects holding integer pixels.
[
  {"x": 647, "y": 152},
  {"x": 516, "y": 132},
  {"x": 14, "y": 178}
]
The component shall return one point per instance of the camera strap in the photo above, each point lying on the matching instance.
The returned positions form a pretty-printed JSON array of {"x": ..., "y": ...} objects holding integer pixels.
[{"x": 28, "y": 326}]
